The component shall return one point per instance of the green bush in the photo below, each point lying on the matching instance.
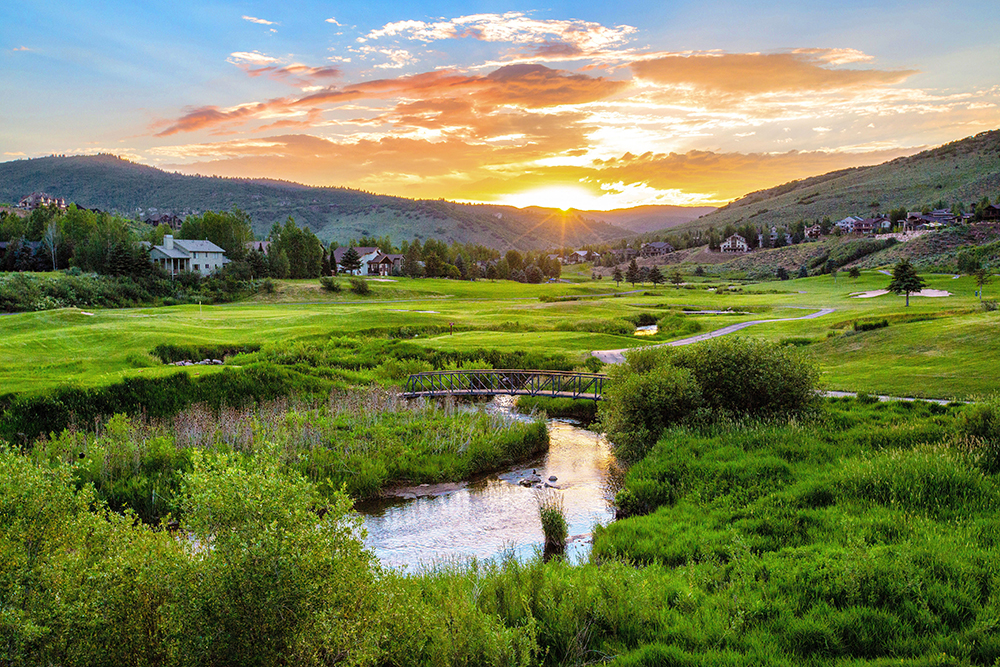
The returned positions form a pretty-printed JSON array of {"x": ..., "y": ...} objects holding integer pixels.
[
  {"x": 360, "y": 286},
  {"x": 330, "y": 284},
  {"x": 870, "y": 325}
]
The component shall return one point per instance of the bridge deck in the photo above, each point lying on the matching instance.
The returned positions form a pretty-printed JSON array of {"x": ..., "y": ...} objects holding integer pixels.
[{"x": 556, "y": 384}]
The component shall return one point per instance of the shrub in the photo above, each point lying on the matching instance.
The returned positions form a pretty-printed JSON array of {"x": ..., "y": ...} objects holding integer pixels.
[
  {"x": 360, "y": 286},
  {"x": 749, "y": 377},
  {"x": 330, "y": 284},
  {"x": 642, "y": 397},
  {"x": 267, "y": 286},
  {"x": 870, "y": 325}
]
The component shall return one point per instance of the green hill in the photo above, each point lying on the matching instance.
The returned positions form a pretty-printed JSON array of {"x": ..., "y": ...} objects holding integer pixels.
[
  {"x": 113, "y": 184},
  {"x": 962, "y": 171}
]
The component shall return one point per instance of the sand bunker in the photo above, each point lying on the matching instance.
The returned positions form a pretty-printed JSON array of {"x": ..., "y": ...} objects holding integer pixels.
[{"x": 880, "y": 292}]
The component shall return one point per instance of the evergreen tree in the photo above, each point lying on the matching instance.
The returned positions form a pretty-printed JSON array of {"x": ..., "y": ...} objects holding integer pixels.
[
  {"x": 803, "y": 272},
  {"x": 632, "y": 273},
  {"x": 618, "y": 277},
  {"x": 905, "y": 280},
  {"x": 782, "y": 273},
  {"x": 655, "y": 276},
  {"x": 350, "y": 262}
]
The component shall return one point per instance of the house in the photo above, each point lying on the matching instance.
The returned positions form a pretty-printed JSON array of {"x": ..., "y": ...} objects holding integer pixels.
[
  {"x": 813, "y": 232},
  {"x": 366, "y": 254},
  {"x": 40, "y": 199},
  {"x": 263, "y": 247},
  {"x": 846, "y": 226},
  {"x": 177, "y": 255},
  {"x": 582, "y": 256},
  {"x": 735, "y": 243},
  {"x": 656, "y": 249},
  {"x": 991, "y": 212},
  {"x": 385, "y": 265},
  {"x": 168, "y": 219}
]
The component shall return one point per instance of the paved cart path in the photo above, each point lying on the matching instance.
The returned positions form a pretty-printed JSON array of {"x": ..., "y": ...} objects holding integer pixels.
[{"x": 618, "y": 356}]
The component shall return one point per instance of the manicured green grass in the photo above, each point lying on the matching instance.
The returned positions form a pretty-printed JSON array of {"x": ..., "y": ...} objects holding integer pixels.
[{"x": 42, "y": 350}]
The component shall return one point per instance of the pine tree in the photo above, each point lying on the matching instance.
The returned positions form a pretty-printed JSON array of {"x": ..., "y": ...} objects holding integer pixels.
[
  {"x": 632, "y": 273},
  {"x": 351, "y": 261}
]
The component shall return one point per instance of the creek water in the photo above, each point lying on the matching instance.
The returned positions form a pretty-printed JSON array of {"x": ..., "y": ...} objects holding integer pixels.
[{"x": 494, "y": 515}]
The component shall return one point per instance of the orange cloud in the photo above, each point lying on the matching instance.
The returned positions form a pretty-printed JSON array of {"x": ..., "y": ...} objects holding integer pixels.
[
  {"x": 760, "y": 73},
  {"x": 525, "y": 86}
]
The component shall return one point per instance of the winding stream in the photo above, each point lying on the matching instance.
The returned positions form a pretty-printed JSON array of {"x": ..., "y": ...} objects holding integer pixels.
[{"x": 492, "y": 515}]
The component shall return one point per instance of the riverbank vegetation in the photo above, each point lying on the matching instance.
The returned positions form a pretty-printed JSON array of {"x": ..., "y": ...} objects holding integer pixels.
[
  {"x": 358, "y": 441},
  {"x": 862, "y": 533}
]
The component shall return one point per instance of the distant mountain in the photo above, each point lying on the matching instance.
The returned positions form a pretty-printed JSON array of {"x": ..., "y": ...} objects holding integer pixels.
[
  {"x": 113, "y": 184},
  {"x": 642, "y": 219},
  {"x": 961, "y": 171}
]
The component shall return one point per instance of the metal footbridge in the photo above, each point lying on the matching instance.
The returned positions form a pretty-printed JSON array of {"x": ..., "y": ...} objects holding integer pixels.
[{"x": 556, "y": 384}]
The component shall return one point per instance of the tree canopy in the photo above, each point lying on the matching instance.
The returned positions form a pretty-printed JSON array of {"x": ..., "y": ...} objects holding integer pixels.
[{"x": 905, "y": 280}]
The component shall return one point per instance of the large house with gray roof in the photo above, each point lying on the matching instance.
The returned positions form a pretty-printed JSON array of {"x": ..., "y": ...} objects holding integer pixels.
[{"x": 177, "y": 255}]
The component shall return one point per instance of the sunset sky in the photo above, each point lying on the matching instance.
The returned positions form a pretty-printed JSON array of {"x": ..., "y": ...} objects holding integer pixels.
[{"x": 589, "y": 105}]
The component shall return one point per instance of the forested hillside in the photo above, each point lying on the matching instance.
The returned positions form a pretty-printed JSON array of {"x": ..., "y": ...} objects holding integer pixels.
[{"x": 110, "y": 183}]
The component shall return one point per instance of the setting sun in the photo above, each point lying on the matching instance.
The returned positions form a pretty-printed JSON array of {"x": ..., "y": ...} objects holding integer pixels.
[{"x": 562, "y": 197}]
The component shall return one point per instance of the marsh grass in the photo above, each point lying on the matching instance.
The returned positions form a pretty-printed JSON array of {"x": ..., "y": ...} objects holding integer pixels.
[{"x": 552, "y": 513}]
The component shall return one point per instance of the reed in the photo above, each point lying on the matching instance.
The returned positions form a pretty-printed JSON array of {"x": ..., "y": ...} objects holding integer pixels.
[{"x": 552, "y": 513}]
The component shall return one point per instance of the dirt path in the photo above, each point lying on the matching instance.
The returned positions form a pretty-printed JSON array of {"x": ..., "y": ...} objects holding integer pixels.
[{"x": 618, "y": 356}]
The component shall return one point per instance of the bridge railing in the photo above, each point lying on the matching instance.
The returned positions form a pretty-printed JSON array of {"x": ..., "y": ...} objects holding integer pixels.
[{"x": 507, "y": 381}]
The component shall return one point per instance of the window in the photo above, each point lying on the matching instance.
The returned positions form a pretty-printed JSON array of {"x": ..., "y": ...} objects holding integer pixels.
[{"x": 195, "y": 267}]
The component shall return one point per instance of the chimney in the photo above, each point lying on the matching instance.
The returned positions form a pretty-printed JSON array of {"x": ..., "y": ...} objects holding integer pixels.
[{"x": 168, "y": 242}]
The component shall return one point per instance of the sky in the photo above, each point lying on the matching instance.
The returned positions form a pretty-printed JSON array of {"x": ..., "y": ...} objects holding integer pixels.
[{"x": 567, "y": 104}]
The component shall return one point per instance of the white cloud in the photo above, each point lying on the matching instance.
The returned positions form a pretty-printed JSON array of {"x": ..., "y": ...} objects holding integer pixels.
[
  {"x": 512, "y": 27},
  {"x": 398, "y": 58},
  {"x": 254, "y": 19},
  {"x": 334, "y": 21},
  {"x": 251, "y": 58}
]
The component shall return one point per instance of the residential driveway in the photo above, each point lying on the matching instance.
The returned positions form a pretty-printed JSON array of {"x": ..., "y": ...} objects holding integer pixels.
[{"x": 618, "y": 356}]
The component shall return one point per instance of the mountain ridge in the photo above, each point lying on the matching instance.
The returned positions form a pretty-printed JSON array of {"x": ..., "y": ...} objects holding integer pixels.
[{"x": 111, "y": 183}]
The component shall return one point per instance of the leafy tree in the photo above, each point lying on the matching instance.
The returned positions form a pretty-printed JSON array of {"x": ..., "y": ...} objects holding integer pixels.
[
  {"x": 433, "y": 266},
  {"x": 230, "y": 231},
  {"x": 699, "y": 271},
  {"x": 303, "y": 250},
  {"x": 514, "y": 260},
  {"x": 905, "y": 280},
  {"x": 782, "y": 273},
  {"x": 491, "y": 272},
  {"x": 803, "y": 272},
  {"x": 983, "y": 278},
  {"x": 411, "y": 261},
  {"x": 676, "y": 278},
  {"x": 350, "y": 262},
  {"x": 854, "y": 272},
  {"x": 533, "y": 274}
]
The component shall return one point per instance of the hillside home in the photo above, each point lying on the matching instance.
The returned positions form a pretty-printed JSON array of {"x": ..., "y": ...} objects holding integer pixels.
[
  {"x": 177, "y": 255},
  {"x": 735, "y": 243},
  {"x": 814, "y": 232},
  {"x": 846, "y": 226},
  {"x": 168, "y": 219},
  {"x": 656, "y": 249},
  {"x": 39, "y": 199},
  {"x": 991, "y": 212}
]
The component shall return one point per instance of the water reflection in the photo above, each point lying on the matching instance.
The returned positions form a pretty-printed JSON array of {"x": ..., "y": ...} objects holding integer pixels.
[{"x": 495, "y": 514}]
